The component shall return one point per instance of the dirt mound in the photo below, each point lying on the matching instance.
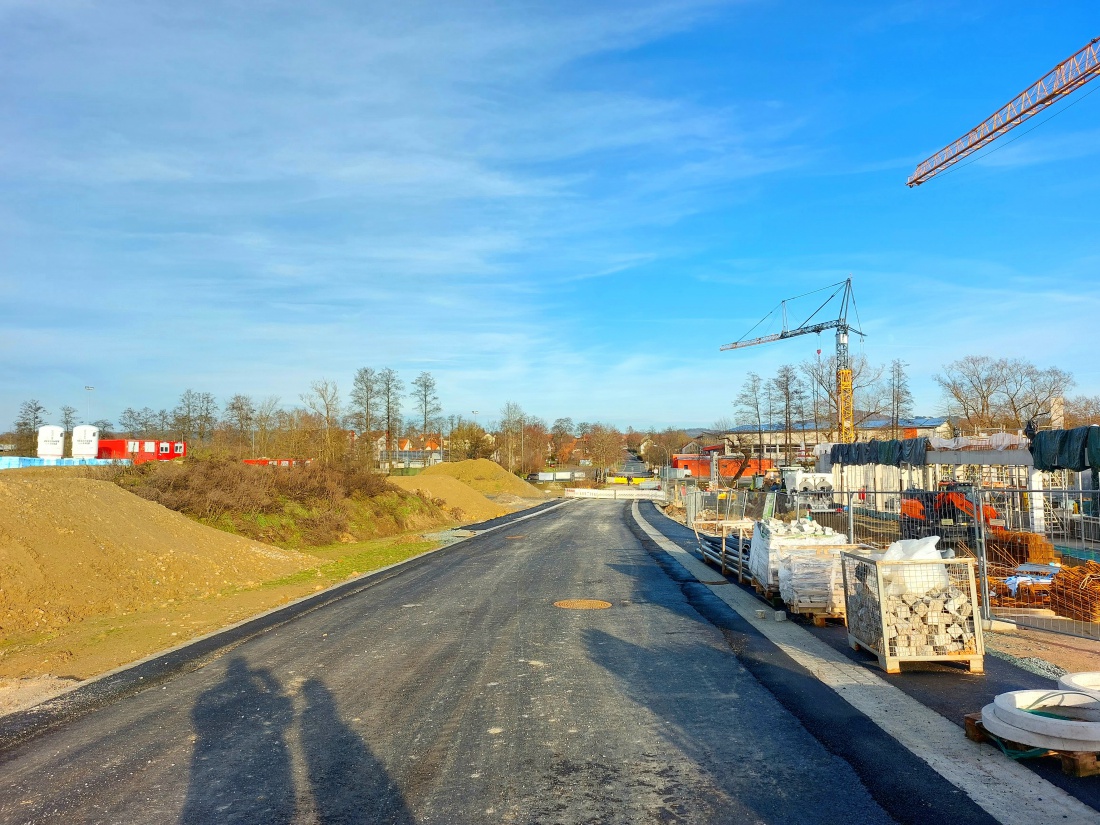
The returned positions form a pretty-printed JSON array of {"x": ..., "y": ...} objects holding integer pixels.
[
  {"x": 455, "y": 494},
  {"x": 486, "y": 477},
  {"x": 75, "y": 547}
]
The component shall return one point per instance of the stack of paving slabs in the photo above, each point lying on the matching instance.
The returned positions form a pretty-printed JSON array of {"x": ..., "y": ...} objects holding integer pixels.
[
  {"x": 910, "y": 609},
  {"x": 1075, "y": 592},
  {"x": 812, "y": 582},
  {"x": 772, "y": 539}
]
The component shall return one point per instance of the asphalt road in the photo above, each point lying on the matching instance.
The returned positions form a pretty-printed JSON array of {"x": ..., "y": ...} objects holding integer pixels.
[{"x": 454, "y": 691}]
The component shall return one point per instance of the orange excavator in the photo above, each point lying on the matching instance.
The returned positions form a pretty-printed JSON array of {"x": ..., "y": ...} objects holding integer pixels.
[{"x": 952, "y": 515}]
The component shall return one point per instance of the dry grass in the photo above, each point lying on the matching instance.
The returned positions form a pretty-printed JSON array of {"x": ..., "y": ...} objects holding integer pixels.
[{"x": 302, "y": 506}]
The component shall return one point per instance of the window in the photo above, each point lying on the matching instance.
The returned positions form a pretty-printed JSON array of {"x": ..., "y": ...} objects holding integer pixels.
[
  {"x": 149, "y": 447},
  {"x": 131, "y": 446},
  {"x": 178, "y": 448},
  {"x": 165, "y": 448}
]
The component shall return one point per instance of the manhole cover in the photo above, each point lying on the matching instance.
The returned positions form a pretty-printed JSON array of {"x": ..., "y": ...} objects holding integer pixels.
[{"x": 582, "y": 604}]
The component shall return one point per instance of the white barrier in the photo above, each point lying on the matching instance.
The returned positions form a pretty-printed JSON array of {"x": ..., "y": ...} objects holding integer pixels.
[{"x": 625, "y": 494}]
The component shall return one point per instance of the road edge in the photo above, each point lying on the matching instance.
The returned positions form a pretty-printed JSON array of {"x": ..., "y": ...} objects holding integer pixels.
[{"x": 1007, "y": 791}]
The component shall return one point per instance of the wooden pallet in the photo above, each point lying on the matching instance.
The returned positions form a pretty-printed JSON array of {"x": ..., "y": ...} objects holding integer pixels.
[
  {"x": 1074, "y": 763},
  {"x": 768, "y": 594},
  {"x": 818, "y": 615}
]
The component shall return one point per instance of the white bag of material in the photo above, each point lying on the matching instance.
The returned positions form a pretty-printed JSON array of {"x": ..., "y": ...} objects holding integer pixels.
[{"x": 917, "y": 578}]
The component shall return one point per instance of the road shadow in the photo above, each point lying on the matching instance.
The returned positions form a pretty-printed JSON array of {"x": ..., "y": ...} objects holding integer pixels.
[
  {"x": 240, "y": 768},
  {"x": 760, "y": 759},
  {"x": 350, "y": 785}
]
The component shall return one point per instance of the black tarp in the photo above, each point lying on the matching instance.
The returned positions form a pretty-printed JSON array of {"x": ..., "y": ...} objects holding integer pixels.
[
  {"x": 1076, "y": 449},
  {"x": 1092, "y": 448},
  {"x": 889, "y": 453}
]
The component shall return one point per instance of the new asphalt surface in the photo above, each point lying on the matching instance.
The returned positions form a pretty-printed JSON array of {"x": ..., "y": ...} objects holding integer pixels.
[{"x": 453, "y": 690}]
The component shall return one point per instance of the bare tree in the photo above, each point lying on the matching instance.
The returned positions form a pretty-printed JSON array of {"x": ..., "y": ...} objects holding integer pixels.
[
  {"x": 605, "y": 444},
  {"x": 1027, "y": 391},
  {"x": 426, "y": 399},
  {"x": 184, "y": 415},
  {"x": 663, "y": 445},
  {"x": 561, "y": 439},
  {"x": 901, "y": 399},
  {"x": 206, "y": 418},
  {"x": 870, "y": 395},
  {"x": 633, "y": 439},
  {"x": 1082, "y": 410},
  {"x": 194, "y": 417},
  {"x": 138, "y": 423},
  {"x": 789, "y": 393},
  {"x": 751, "y": 404},
  {"x": 390, "y": 390},
  {"x": 365, "y": 400},
  {"x": 68, "y": 418},
  {"x": 511, "y": 434},
  {"x": 970, "y": 384},
  {"x": 265, "y": 420},
  {"x": 240, "y": 417},
  {"x": 323, "y": 400},
  {"x": 32, "y": 415},
  {"x": 1002, "y": 392}
]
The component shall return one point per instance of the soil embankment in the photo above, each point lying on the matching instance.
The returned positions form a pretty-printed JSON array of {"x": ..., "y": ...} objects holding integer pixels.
[
  {"x": 485, "y": 476},
  {"x": 71, "y": 548},
  {"x": 464, "y": 502},
  {"x": 506, "y": 492}
]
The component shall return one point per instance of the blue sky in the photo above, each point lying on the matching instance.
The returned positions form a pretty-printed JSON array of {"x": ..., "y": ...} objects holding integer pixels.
[{"x": 567, "y": 205}]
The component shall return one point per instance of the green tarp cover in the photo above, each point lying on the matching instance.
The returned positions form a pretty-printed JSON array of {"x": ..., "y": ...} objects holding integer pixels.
[
  {"x": 1076, "y": 449},
  {"x": 913, "y": 451}
]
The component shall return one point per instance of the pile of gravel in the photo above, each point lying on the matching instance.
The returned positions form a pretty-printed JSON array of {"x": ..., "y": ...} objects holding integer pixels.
[{"x": 1032, "y": 664}]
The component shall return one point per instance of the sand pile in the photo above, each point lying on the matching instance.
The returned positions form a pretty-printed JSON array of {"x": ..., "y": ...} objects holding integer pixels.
[
  {"x": 486, "y": 477},
  {"x": 73, "y": 547},
  {"x": 456, "y": 495}
]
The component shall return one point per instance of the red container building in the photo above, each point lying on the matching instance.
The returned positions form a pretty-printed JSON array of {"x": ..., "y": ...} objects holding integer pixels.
[{"x": 141, "y": 450}]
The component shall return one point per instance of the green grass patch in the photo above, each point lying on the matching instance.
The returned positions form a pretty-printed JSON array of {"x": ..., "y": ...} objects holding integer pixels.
[{"x": 342, "y": 561}]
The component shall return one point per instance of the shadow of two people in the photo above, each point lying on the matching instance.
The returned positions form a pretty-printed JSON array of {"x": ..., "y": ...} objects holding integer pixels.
[{"x": 241, "y": 768}]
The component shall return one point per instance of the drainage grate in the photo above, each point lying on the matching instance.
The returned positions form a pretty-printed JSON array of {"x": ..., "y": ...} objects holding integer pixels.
[{"x": 582, "y": 604}]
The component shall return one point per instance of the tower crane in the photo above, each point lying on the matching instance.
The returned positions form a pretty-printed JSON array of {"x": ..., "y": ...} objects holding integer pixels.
[
  {"x": 844, "y": 402},
  {"x": 1072, "y": 73}
]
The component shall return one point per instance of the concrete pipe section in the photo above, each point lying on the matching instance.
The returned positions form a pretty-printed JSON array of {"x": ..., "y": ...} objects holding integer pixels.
[{"x": 1055, "y": 719}]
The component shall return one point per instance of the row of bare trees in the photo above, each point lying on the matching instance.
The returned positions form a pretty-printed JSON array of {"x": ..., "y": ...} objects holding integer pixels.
[
  {"x": 1006, "y": 393},
  {"x": 332, "y": 428},
  {"x": 979, "y": 393},
  {"x": 243, "y": 426},
  {"x": 803, "y": 397}
]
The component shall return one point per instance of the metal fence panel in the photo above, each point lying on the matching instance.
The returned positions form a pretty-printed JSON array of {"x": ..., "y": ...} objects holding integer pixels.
[{"x": 1037, "y": 552}]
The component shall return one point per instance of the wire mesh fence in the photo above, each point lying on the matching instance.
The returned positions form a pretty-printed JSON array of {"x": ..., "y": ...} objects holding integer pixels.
[
  {"x": 913, "y": 610},
  {"x": 1036, "y": 552}
]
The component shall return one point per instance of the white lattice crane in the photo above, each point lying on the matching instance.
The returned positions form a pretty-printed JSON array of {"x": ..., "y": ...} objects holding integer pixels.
[{"x": 846, "y": 426}]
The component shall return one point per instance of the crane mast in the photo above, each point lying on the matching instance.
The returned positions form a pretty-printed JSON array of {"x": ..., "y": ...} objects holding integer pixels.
[
  {"x": 846, "y": 429},
  {"x": 1070, "y": 74}
]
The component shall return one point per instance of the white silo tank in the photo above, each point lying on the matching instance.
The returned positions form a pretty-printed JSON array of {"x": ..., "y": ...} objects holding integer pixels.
[
  {"x": 85, "y": 441},
  {"x": 51, "y": 442}
]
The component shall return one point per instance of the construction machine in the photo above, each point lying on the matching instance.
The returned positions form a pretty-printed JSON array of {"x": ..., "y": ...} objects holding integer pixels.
[{"x": 951, "y": 513}]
